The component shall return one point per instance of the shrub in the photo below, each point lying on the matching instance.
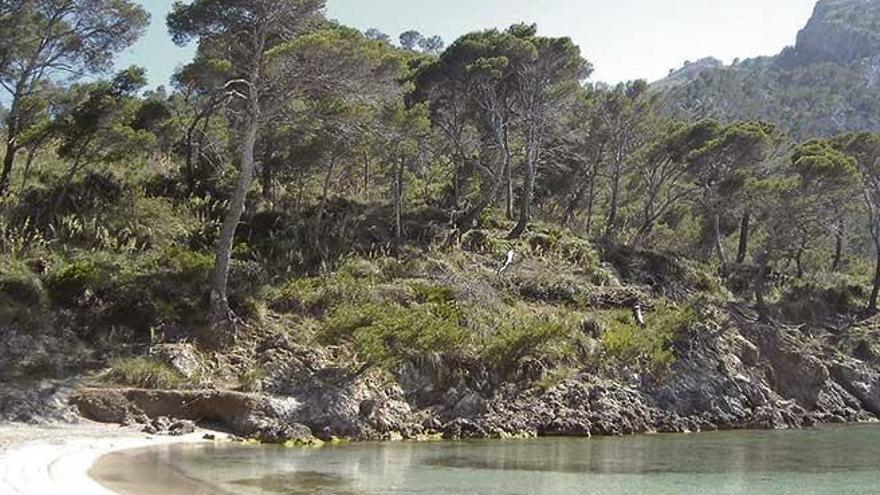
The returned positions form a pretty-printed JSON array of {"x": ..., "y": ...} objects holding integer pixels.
[
  {"x": 386, "y": 335},
  {"x": 69, "y": 283},
  {"x": 316, "y": 296},
  {"x": 651, "y": 346},
  {"x": 548, "y": 288},
  {"x": 20, "y": 285},
  {"x": 814, "y": 300},
  {"x": 144, "y": 373},
  {"x": 21, "y": 293},
  {"x": 478, "y": 241},
  {"x": 164, "y": 287},
  {"x": 521, "y": 335}
]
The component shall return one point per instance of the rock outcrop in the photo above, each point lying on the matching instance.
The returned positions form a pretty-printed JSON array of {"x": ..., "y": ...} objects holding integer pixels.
[
  {"x": 840, "y": 31},
  {"x": 825, "y": 84},
  {"x": 733, "y": 375}
]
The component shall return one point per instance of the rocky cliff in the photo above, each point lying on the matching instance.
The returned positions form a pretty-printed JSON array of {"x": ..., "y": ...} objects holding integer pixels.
[{"x": 826, "y": 83}]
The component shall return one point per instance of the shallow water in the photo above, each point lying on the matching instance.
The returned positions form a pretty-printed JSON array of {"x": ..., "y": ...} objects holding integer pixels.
[{"x": 844, "y": 460}]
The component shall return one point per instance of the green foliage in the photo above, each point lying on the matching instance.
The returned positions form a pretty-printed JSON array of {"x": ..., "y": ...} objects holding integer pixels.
[
  {"x": 388, "y": 334},
  {"x": 816, "y": 300},
  {"x": 22, "y": 296},
  {"x": 160, "y": 288},
  {"x": 145, "y": 373},
  {"x": 520, "y": 335},
  {"x": 625, "y": 342}
]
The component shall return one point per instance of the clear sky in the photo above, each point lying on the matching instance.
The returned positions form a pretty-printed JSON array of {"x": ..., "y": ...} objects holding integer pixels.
[{"x": 625, "y": 39}]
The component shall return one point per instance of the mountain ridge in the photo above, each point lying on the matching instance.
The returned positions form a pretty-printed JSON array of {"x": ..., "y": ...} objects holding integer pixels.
[{"x": 825, "y": 84}]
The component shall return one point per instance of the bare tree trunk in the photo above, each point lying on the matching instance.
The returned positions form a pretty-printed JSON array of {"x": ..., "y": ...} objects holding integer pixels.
[
  {"x": 719, "y": 241},
  {"x": 32, "y": 152},
  {"x": 525, "y": 207},
  {"x": 744, "y": 228},
  {"x": 219, "y": 303},
  {"x": 875, "y": 291},
  {"x": 839, "y": 247},
  {"x": 467, "y": 220},
  {"x": 398, "y": 203},
  {"x": 760, "y": 289},
  {"x": 8, "y": 158},
  {"x": 592, "y": 202},
  {"x": 508, "y": 178}
]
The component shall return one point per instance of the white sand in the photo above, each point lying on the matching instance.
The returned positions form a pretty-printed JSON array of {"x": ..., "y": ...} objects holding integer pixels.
[{"x": 47, "y": 460}]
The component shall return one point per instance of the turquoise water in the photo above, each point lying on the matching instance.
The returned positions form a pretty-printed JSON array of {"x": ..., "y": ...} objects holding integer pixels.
[{"x": 844, "y": 460}]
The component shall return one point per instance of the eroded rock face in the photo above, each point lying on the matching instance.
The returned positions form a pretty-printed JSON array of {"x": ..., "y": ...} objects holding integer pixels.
[
  {"x": 840, "y": 31},
  {"x": 263, "y": 418},
  {"x": 183, "y": 358},
  {"x": 733, "y": 375}
]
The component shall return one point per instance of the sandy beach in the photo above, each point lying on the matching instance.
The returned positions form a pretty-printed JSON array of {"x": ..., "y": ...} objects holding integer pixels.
[{"x": 40, "y": 460}]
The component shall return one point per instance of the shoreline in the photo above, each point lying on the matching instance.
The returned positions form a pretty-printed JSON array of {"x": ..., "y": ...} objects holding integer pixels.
[
  {"x": 40, "y": 459},
  {"x": 36, "y": 460}
]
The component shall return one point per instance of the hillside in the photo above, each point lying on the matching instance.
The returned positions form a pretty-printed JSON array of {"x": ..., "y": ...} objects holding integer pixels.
[
  {"x": 823, "y": 85},
  {"x": 326, "y": 235}
]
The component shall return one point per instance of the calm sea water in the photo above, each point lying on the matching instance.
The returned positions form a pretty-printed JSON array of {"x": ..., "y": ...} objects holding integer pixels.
[{"x": 844, "y": 460}]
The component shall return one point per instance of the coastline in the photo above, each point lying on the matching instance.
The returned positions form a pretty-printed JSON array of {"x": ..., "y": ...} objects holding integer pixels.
[{"x": 37, "y": 460}]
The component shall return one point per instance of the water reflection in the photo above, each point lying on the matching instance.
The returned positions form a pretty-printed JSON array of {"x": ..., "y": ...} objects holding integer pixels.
[{"x": 835, "y": 460}]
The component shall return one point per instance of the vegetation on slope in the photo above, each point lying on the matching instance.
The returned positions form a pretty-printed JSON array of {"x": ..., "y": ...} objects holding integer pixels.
[{"x": 363, "y": 196}]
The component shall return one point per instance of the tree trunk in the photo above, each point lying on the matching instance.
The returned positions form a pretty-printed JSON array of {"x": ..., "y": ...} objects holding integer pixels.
[
  {"x": 591, "y": 203},
  {"x": 744, "y": 238},
  {"x": 875, "y": 291},
  {"x": 267, "y": 171},
  {"x": 719, "y": 241},
  {"x": 456, "y": 183},
  {"x": 839, "y": 247},
  {"x": 525, "y": 207},
  {"x": 508, "y": 179},
  {"x": 398, "y": 203},
  {"x": 611, "y": 222},
  {"x": 799, "y": 263},
  {"x": 467, "y": 220},
  {"x": 760, "y": 289},
  {"x": 219, "y": 310},
  {"x": 268, "y": 181},
  {"x": 8, "y": 160},
  {"x": 32, "y": 152}
]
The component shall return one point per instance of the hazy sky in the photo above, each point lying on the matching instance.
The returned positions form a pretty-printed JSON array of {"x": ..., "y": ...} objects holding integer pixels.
[{"x": 625, "y": 39}]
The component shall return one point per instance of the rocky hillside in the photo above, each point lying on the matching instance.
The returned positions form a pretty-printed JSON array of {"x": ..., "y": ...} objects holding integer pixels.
[
  {"x": 438, "y": 343},
  {"x": 825, "y": 84}
]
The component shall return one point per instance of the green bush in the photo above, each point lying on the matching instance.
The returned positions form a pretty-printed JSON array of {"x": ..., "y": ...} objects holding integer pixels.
[
  {"x": 651, "y": 346},
  {"x": 141, "y": 293},
  {"x": 21, "y": 293},
  {"x": 20, "y": 285},
  {"x": 521, "y": 335},
  {"x": 477, "y": 241},
  {"x": 814, "y": 300},
  {"x": 70, "y": 282},
  {"x": 316, "y": 296},
  {"x": 388, "y": 334},
  {"x": 547, "y": 287},
  {"x": 564, "y": 245},
  {"x": 144, "y": 373}
]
